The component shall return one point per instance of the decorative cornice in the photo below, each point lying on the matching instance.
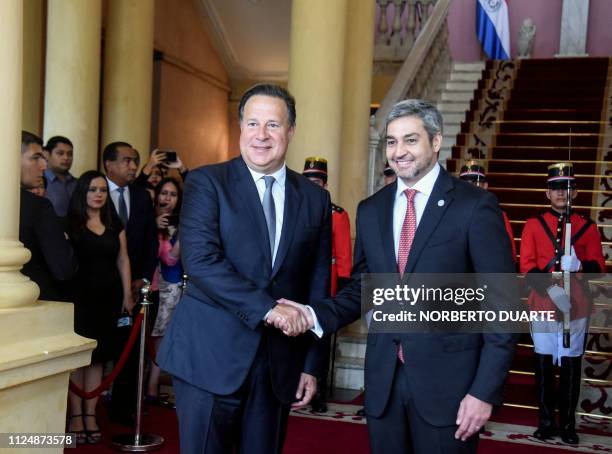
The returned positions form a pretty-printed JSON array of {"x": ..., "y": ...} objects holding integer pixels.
[{"x": 223, "y": 44}]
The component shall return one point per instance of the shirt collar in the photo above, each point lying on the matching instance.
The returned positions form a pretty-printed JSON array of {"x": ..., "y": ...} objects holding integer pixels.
[
  {"x": 424, "y": 185},
  {"x": 51, "y": 176},
  {"x": 112, "y": 186},
  {"x": 279, "y": 176}
]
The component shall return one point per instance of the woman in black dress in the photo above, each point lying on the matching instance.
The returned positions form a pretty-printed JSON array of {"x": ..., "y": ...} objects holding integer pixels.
[{"x": 101, "y": 289}]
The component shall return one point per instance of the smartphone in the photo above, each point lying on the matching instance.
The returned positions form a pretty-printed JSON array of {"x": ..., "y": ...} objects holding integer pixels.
[
  {"x": 125, "y": 320},
  {"x": 170, "y": 156},
  {"x": 173, "y": 220}
]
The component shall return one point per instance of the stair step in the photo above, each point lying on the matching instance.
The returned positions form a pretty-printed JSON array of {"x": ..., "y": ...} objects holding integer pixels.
[
  {"x": 534, "y": 166},
  {"x": 465, "y": 76},
  {"x": 469, "y": 67},
  {"x": 349, "y": 373},
  {"x": 351, "y": 346},
  {"x": 546, "y": 153},
  {"x": 452, "y": 129},
  {"x": 450, "y": 118},
  {"x": 460, "y": 86},
  {"x": 561, "y": 141},
  {"x": 456, "y": 107},
  {"x": 586, "y": 114},
  {"x": 542, "y": 127},
  {"x": 534, "y": 196},
  {"x": 462, "y": 96}
]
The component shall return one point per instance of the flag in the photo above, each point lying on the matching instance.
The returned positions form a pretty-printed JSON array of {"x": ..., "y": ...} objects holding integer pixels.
[{"x": 493, "y": 29}]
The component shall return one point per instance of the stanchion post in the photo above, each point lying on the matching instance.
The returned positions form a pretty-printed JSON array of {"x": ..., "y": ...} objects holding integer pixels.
[
  {"x": 184, "y": 283},
  {"x": 137, "y": 441}
]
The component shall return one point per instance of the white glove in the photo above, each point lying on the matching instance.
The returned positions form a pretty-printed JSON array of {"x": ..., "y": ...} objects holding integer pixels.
[
  {"x": 570, "y": 262},
  {"x": 559, "y": 297}
]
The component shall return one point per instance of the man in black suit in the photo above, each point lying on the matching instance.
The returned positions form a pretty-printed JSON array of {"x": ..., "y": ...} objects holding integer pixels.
[
  {"x": 425, "y": 393},
  {"x": 252, "y": 231},
  {"x": 133, "y": 206},
  {"x": 40, "y": 229}
]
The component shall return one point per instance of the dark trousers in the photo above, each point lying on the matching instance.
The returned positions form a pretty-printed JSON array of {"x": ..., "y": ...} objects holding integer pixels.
[
  {"x": 125, "y": 386},
  {"x": 251, "y": 420},
  {"x": 401, "y": 430},
  {"x": 323, "y": 377}
]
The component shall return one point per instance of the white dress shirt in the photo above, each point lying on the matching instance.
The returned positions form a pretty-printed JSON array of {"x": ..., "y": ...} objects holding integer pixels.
[
  {"x": 114, "y": 194},
  {"x": 424, "y": 187},
  {"x": 278, "y": 194}
]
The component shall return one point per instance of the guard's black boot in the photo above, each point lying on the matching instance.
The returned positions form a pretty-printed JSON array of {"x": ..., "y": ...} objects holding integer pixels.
[
  {"x": 571, "y": 373},
  {"x": 545, "y": 387},
  {"x": 318, "y": 403}
]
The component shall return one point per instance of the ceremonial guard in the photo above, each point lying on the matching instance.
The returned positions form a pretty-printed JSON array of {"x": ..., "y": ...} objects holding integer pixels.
[
  {"x": 473, "y": 172},
  {"x": 315, "y": 169},
  {"x": 545, "y": 249}
]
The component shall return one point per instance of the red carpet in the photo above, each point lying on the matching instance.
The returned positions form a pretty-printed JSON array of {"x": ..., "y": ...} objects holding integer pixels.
[{"x": 309, "y": 436}]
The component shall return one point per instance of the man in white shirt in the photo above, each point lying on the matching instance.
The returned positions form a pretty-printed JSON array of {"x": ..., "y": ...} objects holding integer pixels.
[
  {"x": 425, "y": 392},
  {"x": 252, "y": 232}
]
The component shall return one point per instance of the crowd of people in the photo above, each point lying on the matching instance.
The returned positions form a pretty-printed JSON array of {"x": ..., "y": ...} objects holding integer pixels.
[
  {"x": 272, "y": 278},
  {"x": 95, "y": 239}
]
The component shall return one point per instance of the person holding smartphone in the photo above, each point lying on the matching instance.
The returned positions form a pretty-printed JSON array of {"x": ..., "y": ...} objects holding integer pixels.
[
  {"x": 160, "y": 161},
  {"x": 170, "y": 271}
]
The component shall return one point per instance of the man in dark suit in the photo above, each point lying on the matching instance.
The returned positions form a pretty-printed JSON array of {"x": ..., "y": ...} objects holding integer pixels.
[
  {"x": 40, "y": 229},
  {"x": 425, "y": 393},
  {"x": 252, "y": 231},
  {"x": 133, "y": 206}
]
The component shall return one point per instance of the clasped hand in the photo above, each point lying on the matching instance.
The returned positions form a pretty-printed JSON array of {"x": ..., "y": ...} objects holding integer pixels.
[{"x": 290, "y": 317}]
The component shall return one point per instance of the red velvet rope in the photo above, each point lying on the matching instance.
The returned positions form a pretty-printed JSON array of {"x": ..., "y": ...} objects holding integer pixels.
[{"x": 122, "y": 360}]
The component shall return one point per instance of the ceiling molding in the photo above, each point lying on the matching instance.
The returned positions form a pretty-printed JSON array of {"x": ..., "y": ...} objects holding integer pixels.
[{"x": 227, "y": 52}]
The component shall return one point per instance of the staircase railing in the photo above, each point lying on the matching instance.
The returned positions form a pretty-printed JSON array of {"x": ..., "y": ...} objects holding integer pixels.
[
  {"x": 398, "y": 24},
  {"x": 420, "y": 76}
]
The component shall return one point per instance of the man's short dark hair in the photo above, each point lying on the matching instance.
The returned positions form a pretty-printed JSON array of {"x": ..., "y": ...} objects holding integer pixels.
[
  {"x": 274, "y": 91},
  {"x": 27, "y": 139},
  {"x": 55, "y": 140},
  {"x": 112, "y": 150}
]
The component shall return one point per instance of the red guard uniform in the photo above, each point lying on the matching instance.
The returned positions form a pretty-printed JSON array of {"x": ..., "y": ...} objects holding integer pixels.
[
  {"x": 542, "y": 253},
  {"x": 543, "y": 244},
  {"x": 510, "y": 234},
  {"x": 341, "y": 247}
]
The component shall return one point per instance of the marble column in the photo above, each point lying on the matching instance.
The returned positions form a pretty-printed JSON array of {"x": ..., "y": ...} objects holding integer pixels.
[
  {"x": 574, "y": 28},
  {"x": 316, "y": 79},
  {"x": 38, "y": 347},
  {"x": 128, "y": 73},
  {"x": 356, "y": 111},
  {"x": 32, "y": 66},
  {"x": 15, "y": 289},
  {"x": 72, "y": 82}
]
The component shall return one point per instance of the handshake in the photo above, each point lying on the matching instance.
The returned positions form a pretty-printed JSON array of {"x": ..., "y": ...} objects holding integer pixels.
[{"x": 290, "y": 317}]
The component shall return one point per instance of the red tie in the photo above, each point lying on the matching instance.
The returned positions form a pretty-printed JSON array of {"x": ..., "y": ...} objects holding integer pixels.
[{"x": 405, "y": 243}]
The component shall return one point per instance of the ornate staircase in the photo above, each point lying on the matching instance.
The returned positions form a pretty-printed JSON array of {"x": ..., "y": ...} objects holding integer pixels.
[
  {"x": 526, "y": 115},
  {"x": 522, "y": 117},
  {"x": 457, "y": 93}
]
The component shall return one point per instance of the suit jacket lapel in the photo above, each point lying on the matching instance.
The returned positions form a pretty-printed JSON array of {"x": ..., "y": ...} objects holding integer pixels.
[
  {"x": 291, "y": 210},
  {"x": 247, "y": 192},
  {"x": 132, "y": 205},
  {"x": 385, "y": 215},
  {"x": 438, "y": 202}
]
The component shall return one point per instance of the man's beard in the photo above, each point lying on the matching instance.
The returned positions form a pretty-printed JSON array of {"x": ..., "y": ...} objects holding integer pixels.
[{"x": 417, "y": 169}]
